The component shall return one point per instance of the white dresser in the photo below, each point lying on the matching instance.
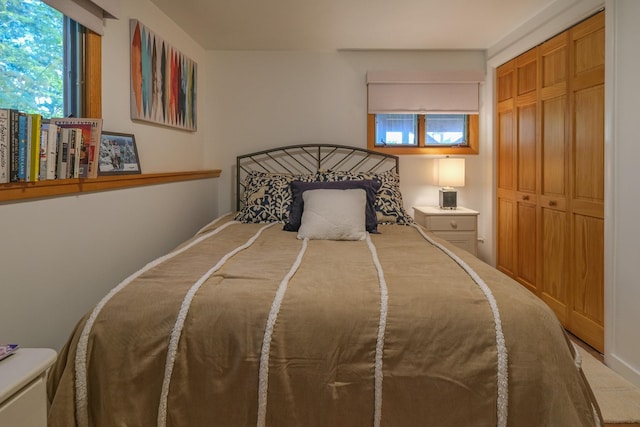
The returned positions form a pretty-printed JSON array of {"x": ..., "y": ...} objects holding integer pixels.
[
  {"x": 458, "y": 226},
  {"x": 23, "y": 394}
]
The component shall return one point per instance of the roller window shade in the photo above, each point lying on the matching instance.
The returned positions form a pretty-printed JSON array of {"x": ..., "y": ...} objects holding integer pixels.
[
  {"x": 89, "y": 13},
  {"x": 422, "y": 93}
]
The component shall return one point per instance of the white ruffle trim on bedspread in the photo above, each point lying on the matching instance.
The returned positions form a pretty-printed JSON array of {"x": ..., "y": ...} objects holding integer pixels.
[
  {"x": 82, "y": 416},
  {"x": 503, "y": 374},
  {"x": 263, "y": 381},
  {"x": 81, "y": 355},
  {"x": 182, "y": 315},
  {"x": 382, "y": 326}
]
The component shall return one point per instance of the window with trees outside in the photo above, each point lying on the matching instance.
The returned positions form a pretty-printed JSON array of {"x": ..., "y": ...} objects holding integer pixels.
[{"x": 43, "y": 57}]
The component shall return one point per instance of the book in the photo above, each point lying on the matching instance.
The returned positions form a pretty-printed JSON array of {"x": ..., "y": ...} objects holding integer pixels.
[
  {"x": 33, "y": 146},
  {"x": 75, "y": 150},
  {"x": 71, "y": 147},
  {"x": 22, "y": 145},
  {"x": 27, "y": 149},
  {"x": 44, "y": 141},
  {"x": 5, "y": 141},
  {"x": 13, "y": 146},
  {"x": 90, "y": 150},
  {"x": 62, "y": 170},
  {"x": 52, "y": 150},
  {"x": 81, "y": 165}
]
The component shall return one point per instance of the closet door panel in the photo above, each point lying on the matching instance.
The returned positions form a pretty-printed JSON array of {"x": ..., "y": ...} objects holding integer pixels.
[
  {"x": 505, "y": 236},
  {"x": 506, "y": 150},
  {"x": 554, "y": 152},
  {"x": 527, "y": 73},
  {"x": 588, "y": 47},
  {"x": 587, "y": 299},
  {"x": 553, "y": 62},
  {"x": 586, "y": 65},
  {"x": 588, "y": 144},
  {"x": 505, "y": 81},
  {"x": 526, "y": 245},
  {"x": 506, "y": 163},
  {"x": 554, "y": 274},
  {"x": 526, "y": 142}
]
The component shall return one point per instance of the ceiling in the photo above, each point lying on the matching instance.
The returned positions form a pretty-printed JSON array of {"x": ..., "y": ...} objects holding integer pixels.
[{"x": 349, "y": 24}]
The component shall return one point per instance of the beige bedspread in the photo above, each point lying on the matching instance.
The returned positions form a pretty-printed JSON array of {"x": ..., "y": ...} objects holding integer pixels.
[{"x": 246, "y": 325}]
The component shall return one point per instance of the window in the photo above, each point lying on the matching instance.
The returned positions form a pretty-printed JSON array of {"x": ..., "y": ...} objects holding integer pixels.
[
  {"x": 31, "y": 52},
  {"x": 423, "y": 112},
  {"x": 446, "y": 130},
  {"x": 44, "y": 60},
  {"x": 396, "y": 129},
  {"x": 423, "y": 133}
]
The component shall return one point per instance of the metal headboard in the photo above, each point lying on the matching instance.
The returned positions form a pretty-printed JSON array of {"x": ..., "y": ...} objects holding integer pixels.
[{"x": 309, "y": 158}]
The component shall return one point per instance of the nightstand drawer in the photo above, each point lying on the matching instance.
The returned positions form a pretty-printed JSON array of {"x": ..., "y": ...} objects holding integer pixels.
[
  {"x": 27, "y": 408},
  {"x": 23, "y": 394},
  {"x": 465, "y": 240},
  {"x": 451, "y": 223}
]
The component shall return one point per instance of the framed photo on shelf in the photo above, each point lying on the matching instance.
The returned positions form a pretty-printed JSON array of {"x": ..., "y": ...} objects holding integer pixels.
[{"x": 118, "y": 154}]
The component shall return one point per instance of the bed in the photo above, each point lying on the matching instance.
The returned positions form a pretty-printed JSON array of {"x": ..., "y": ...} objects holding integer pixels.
[{"x": 319, "y": 302}]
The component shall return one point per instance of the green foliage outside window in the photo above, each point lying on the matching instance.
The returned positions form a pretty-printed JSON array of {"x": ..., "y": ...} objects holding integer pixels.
[{"x": 31, "y": 57}]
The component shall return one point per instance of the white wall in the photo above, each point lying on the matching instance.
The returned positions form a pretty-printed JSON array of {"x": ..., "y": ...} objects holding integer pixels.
[
  {"x": 161, "y": 149},
  {"x": 59, "y": 256},
  {"x": 267, "y": 99},
  {"x": 622, "y": 203}
]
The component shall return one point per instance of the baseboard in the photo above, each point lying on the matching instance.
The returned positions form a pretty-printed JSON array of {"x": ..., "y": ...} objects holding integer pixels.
[{"x": 621, "y": 367}]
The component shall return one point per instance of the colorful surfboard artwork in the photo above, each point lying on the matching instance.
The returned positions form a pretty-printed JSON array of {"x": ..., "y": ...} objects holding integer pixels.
[
  {"x": 163, "y": 81},
  {"x": 136, "y": 70}
]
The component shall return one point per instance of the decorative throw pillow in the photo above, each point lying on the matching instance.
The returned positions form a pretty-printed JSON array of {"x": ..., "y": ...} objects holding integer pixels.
[
  {"x": 298, "y": 188},
  {"x": 267, "y": 197},
  {"x": 333, "y": 215},
  {"x": 388, "y": 204}
]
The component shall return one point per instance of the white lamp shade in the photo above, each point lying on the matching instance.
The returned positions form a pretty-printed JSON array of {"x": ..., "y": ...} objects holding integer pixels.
[{"x": 451, "y": 172}]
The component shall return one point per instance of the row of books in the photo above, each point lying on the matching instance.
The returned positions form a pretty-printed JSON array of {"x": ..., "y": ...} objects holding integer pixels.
[{"x": 36, "y": 149}]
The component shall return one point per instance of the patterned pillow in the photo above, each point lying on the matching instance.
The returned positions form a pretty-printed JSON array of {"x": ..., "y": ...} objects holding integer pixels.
[
  {"x": 389, "y": 205},
  {"x": 267, "y": 197}
]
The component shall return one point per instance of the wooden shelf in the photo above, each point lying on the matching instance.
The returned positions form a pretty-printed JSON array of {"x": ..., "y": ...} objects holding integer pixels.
[{"x": 65, "y": 187}]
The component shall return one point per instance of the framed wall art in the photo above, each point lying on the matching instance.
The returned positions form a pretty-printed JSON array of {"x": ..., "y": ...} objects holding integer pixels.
[
  {"x": 118, "y": 154},
  {"x": 163, "y": 81}
]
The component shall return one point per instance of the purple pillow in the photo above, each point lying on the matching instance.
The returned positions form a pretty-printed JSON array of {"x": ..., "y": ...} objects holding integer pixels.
[{"x": 370, "y": 186}]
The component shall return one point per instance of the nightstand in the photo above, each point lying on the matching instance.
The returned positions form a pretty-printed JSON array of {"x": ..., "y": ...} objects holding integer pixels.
[
  {"x": 458, "y": 226},
  {"x": 23, "y": 393}
]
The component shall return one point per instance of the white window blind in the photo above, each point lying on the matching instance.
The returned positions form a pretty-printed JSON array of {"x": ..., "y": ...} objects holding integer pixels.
[
  {"x": 423, "y": 92},
  {"x": 89, "y": 13}
]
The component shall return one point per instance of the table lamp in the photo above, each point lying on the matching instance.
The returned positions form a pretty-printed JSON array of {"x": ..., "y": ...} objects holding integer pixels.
[{"x": 450, "y": 174}]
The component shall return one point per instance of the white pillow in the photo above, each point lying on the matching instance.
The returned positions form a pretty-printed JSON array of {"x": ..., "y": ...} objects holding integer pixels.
[{"x": 333, "y": 214}]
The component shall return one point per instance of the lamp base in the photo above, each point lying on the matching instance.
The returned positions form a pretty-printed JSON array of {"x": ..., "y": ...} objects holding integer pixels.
[{"x": 448, "y": 198}]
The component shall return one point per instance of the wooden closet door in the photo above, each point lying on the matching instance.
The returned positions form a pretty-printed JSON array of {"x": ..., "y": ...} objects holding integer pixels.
[
  {"x": 550, "y": 150},
  {"x": 506, "y": 162},
  {"x": 527, "y": 169},
  {"x": 586, "y": 65},
  {"x": 554, "y": 165}
]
